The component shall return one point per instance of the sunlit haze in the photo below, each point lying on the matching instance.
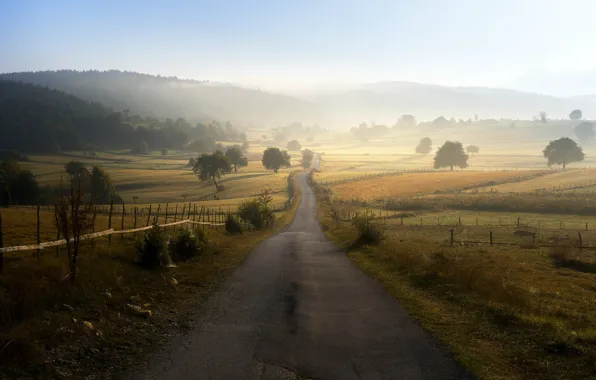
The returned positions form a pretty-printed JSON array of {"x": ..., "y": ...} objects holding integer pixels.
[{"x": 531, "y": 45}]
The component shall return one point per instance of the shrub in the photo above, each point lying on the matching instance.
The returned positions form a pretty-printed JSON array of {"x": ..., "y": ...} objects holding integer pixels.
[
  {"x": 187, "y": 245},
  {"x": 233, "y": 225},
  {"x": 258, "y": 211},
  {"x": 151, "y": 251},
  {"x": 368, "y": 232}
]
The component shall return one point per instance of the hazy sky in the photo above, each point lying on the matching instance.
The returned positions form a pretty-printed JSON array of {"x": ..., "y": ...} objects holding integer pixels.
[{"x": 524, "y": 44}]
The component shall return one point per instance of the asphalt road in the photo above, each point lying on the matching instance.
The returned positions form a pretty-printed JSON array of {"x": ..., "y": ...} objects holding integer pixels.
[{"x": 298, "y": 305}]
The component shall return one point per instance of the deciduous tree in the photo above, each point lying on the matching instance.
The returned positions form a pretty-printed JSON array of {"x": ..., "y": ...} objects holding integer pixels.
[
  {"x": 451, "y": 154},
  {"x": 274, "y": 158},
  {"x": 212, "y": 166},
  {"x": 562, "y": 152}
]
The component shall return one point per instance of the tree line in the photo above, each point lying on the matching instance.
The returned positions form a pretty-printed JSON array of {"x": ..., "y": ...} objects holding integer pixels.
[{"x": 36, "y": 119}]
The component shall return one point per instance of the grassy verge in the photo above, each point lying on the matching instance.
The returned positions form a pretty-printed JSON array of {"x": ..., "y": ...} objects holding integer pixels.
[
  {"x": 505, "y": 313},
  {"x": 53, "y": 329}
]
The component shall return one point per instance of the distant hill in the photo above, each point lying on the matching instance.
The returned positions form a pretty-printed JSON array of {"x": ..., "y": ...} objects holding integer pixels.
[
  {"x": 36, "y": 119},
  {"x": 383, "y": 102},
  {"x": 170, "y": 97}
]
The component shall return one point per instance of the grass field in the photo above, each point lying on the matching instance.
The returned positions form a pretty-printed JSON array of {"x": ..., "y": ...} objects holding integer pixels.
[
  {"x": 160, "y": 179},
  {"x": 416, "y": 183},
  {"x": 44, "y": 320},
  {"x": 516, "y": 311}
]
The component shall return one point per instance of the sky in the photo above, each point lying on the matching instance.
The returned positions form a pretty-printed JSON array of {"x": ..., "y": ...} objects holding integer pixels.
[{"x": 543, "y": 46}]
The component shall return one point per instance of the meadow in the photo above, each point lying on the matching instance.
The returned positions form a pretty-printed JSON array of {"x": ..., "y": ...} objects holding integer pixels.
[{"x": 518, "y": 309}]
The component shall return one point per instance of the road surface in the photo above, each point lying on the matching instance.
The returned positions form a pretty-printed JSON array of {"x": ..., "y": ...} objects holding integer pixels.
[{"x": 299, "y": 308}]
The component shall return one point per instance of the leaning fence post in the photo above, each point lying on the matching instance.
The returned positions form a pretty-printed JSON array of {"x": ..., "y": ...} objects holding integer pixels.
[
  {"x": 579, "y": 235},
  {"x": 122, "y": 223},
  {"x": 176, "y": 213},
  {"x": 491, "y": 238},
  {"x": 157, "y": 213},
  {"x": 451, "y": 234},
  {"x": 518, "y": 221},
  {"x": 148, "y": 216},
  {"x": 194, "y": 212},
  {"x": 38, "y": 238},
  {"x": 459, "y": 220}
]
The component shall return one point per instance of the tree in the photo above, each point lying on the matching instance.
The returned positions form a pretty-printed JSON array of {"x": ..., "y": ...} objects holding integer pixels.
[
  {"x": 274, "y": 158},
  {"x": 76, "y": 169},
  {"x": 575, "y": 115},
  {"x": 562, "y": 152},
  {"x": 307, "y": 157},
  {"x": 141, "y": 148},
  {"x": 543, "y": 117},
  {"x": 584, "y": 131},
  {"x": 164, "y": 152},
  {"x": 294, "y": 145},
  {"x": 451, "y": 154},
  {"x": 212, "y": 166},
  {"x": 472, "y": 149},
  {"x": 406, "y": 121},
  {"x": 424, "y": 146},
  {"x": 440, "y": 121},
  {"x": 235, "y": 157},
  {"x": 9, "y": 170},
  {"x": 101, "y": 187}
]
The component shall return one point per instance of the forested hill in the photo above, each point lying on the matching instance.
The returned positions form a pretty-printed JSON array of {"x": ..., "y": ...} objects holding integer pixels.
[
  {"x": 37, "y": 119},
  {"x": 170, "y": 97}
]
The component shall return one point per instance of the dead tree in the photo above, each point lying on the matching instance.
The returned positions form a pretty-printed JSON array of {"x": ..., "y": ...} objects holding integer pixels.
[{"x": 74, "y": 215}]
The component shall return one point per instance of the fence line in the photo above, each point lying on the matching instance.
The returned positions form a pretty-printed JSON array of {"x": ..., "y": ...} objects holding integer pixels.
[{"x": 107, "y": 232}]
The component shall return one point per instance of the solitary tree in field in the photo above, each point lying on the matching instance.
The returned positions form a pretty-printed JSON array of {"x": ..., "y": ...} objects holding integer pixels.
[
  {"x": 307, "y": 157},
  {"x": 575, "y": 115},
  {"x": 424, "y": 146},
  {"x": 274, "y": 158},
  {"x": 235, "y": 156},
  {"x": 562, "y": 152},
  {"x": 212, "y": 166},
  {"x": 472, "y": 149},
  {"x": 451, "y": 154},
  {"x": 294, "y": 145},
  {"x": 584, "y": 131}
]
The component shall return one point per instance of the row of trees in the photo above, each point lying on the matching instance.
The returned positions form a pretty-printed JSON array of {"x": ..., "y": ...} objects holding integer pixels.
[
  {"x": 211, "y": 167},
  {"x": 558, "y": 152},
  {"x": 35, "y": 119},
  {"x": 425, "y": 147}
]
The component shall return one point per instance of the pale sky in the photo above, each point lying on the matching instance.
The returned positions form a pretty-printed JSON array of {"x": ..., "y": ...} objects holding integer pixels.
[{"x": 537, "y": 45}]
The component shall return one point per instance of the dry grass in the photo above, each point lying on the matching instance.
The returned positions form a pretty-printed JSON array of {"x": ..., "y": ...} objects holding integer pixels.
[
  {"x": 506, "y": 313},
  {"x": 416, "y": 183},
  {"x": 568, "y": 177},
  {"x": 40, "y": 336}
]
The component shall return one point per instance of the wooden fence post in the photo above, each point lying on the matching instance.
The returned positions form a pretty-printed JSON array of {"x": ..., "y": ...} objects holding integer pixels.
[
  {"x": 586, "y": 226},
  {"x": 476, "y": 221},
  {"x": 518, "y": 222},
  {"x": 188, "y": 212},
  {"x": 194, "y": 213},
  {"x": 579, "y": 235},
  {"x": 1, "y": 245},
  {"x": 135, "y": 221},
  {"x": 451, "y": 238},
  {"x": 539, "y": 223},
  {"x": 122, "y": 222},
  {"x": 37, "y": 232},
  {"x": 176, "y": 213},
  {"x": 166, "y": 222},
  {"x": 183, "y": 209},
  {"x": 560, "y": 224},
  {"x": 491, "y": 238},
  {"x": 92, "y": 229},
  {"x": 157, "y": 213},
  {"x": 459, "y": 220},
  {"x": 148, "y": 216},
  {"x": 110, "y": 220}
]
